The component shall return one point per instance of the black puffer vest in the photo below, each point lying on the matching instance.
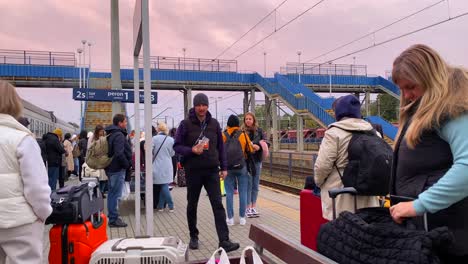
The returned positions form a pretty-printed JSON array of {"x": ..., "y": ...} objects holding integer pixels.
[
  {"x": 209, "y": 159},
  {"x": 415, "y": 170}
]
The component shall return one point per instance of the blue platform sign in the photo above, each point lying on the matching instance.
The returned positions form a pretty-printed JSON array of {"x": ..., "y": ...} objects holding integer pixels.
[{"x": 124, "y": 96}]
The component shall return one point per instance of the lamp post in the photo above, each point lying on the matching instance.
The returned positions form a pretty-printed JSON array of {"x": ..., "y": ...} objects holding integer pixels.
[
  {"x": 216, "y": 105},
  {"x": 183, "y": 50},
  {"x": 264, "y": 64},
  {"x": 330, "y": 64},
  {"x": 299, "y": 58},
  {"x": 89, "y": 61},
  {"x": 79, "y": 50},
  {"x": 83, "y": 42}
]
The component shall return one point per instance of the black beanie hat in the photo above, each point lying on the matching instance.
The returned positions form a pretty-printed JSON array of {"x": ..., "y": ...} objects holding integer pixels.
[
  {"x": 347, "y": 106},
  {"x": 199, "y": 99},
  {"x": 233, "y": 121}
]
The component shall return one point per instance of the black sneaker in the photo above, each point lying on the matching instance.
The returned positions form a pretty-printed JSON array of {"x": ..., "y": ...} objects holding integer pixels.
[
  {"x": 118, "y": 223},
  {"x": 229, "y": 246},
  {"x": 193, "y": 243}
]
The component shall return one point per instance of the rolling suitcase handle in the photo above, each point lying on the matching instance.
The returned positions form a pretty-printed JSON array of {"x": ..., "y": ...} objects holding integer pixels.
[{"x": 333, "y": 193}]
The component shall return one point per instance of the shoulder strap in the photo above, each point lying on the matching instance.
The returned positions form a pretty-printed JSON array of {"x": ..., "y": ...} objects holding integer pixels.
[{"x": 155, "y": 155}]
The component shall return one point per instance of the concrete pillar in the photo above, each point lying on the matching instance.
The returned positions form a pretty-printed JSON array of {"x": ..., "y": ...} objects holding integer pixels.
[
  {"x": 187, "y": 101},
  {"x": 300, "y": 133},
  {"x": 367, "y": 103},
  {"x": 252, "y": 101},
  {"x": 267, "y": 114},
  {"x": 245, "y": 105},
  {"x": 115, "y": 54},
  {"x": 274, "y": 128}
]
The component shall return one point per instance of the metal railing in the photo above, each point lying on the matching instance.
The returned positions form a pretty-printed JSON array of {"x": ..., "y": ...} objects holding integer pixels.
[
  {"x": 288, "y": 168},
  {"x": 31, "y": 57},
  {"x": 324, "y": 69},
  {"x": 193, "y": 64}
]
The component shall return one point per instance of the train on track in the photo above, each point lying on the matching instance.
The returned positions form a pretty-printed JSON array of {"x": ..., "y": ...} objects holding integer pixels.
[{"x": 42, "y": 121}]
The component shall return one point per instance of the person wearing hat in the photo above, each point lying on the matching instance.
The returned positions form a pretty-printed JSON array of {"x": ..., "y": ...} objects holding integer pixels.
[
  {"x": 239, "y": 174},
  {"x": 199, "y": 141},
  {"x": 334, "y": 151},
  {"x": 54, "y": 155}
]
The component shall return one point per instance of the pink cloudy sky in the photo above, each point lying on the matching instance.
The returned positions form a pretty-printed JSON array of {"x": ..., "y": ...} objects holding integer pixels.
[{"x": 206, "y": 27}]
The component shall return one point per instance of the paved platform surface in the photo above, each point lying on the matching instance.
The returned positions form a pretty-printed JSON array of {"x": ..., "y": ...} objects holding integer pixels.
[{"x": 277, "y": 209}]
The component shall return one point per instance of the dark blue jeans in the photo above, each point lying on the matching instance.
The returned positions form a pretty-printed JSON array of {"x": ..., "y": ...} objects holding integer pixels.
[
  {"x": 53, "y": 173},
  {"x": 116, "y": 182}
]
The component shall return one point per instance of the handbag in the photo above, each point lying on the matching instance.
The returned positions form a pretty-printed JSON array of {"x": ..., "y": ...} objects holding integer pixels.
[{"x": 250, "y": 162}]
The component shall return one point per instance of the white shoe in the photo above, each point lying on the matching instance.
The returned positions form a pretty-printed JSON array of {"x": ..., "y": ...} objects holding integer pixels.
[
  {"x": 242, "y": 221},
  {"x": 254, "y": 212},
  {"x": 230, "y": 221}
]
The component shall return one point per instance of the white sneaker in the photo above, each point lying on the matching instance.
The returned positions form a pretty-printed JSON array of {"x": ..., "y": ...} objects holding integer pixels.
[
  {"x": 254, "y": 212},
  {"x": 242, "y": 221},
  {"x": 230, "y": 221},
  {"x": 248, "y": 213}
]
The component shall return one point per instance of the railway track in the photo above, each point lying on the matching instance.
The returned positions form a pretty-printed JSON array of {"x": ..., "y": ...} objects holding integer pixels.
[
  {"x": 298, "y": 172},
  {"x": 281, "y": 187}
]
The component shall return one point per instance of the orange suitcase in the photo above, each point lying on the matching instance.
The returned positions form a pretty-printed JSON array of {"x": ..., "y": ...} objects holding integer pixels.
[{"x": 74, "y": 243}]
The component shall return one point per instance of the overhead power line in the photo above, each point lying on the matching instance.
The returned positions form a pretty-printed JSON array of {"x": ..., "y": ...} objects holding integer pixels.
[
  {"x": 252, "y": 28},
  {"x": 375, "y": 31},
  {"x": 395, "y": 38},
  {"x": 277, "y": 30}
]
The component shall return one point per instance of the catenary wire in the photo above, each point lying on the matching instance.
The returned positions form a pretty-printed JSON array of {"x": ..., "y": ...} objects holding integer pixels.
[
  {"x": 377, "y": 30},
  {"x": 252, "y": 28},
  {"x": 394, "y": 38},
  {"x": 277, "y": 30}
]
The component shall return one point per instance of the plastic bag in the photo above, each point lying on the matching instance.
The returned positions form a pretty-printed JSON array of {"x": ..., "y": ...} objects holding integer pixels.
[
  {"x": 255, "y": 257},
  {"x": 125, "y": 191},
  {"x": 223, "y": 257}
]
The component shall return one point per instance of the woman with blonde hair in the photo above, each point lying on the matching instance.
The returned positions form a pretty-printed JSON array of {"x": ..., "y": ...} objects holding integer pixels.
[
  {"x": 431, "y": 151},
  {"x": 162, "y": 165},
  {"x": 24, "y": 192},
  {"x": 257, "y": 137}
]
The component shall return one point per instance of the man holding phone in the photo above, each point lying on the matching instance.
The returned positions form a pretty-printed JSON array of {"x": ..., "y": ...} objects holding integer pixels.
[{"x": 199, "y": 141}]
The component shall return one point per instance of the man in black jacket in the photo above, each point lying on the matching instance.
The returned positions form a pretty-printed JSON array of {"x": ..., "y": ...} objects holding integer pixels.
[
  {"x": 199, "y": 140},
  {"x": 121, "y": 153},
  {"x": 54, "y": 156}
]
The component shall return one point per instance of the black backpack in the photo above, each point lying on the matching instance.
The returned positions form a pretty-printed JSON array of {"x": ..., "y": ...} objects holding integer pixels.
[
  {"x": 234, "y": 153},
  {"x": 369, "y": 163}
]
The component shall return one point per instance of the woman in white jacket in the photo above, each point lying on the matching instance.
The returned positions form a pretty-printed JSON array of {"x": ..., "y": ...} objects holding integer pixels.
[
  {"x": 334, "y": 150},
  {"x": 24, "y": 192}
]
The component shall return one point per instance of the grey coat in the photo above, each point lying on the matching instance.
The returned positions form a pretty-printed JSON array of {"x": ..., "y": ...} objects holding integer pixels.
[{"x": 162, "y": 165}]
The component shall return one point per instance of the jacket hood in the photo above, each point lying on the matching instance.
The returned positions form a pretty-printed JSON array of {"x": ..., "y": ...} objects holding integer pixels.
[
  {"x": 50, "y": 135},
  {"x": 113, "y": 128},
  {"x": 231, "y": 130},
  {"x": 193, "y": 116},
  {"x": 355, "y": 124},
  {"x": 9, "y": 121}
]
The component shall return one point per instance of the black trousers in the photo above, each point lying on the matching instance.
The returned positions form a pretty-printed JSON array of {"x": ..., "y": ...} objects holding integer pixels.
[
  {"x": 156, "y": 191},
  {"x": 196, "y": 179},
  {"x": 62, "y": 176},
  {"x": 80, "y": 169}
]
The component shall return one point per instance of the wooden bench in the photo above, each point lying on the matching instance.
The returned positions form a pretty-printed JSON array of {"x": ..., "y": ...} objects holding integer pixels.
[{"x": 268, "y": 239}]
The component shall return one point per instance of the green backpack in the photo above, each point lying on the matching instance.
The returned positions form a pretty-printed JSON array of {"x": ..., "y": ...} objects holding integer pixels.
[{"x": 97, "y": 154}]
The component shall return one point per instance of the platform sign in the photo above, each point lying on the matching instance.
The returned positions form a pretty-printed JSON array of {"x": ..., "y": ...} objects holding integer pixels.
[{"x": 124, "y": 96}]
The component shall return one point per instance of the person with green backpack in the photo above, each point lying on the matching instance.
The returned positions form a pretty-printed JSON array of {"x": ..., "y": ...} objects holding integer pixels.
[{"x": 121, "y": 159}]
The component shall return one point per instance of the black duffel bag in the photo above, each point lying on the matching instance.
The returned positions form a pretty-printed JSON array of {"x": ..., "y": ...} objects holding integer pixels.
[
  {"x": 371, "y": 236},
  {"x": 75, "y": 204}
]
